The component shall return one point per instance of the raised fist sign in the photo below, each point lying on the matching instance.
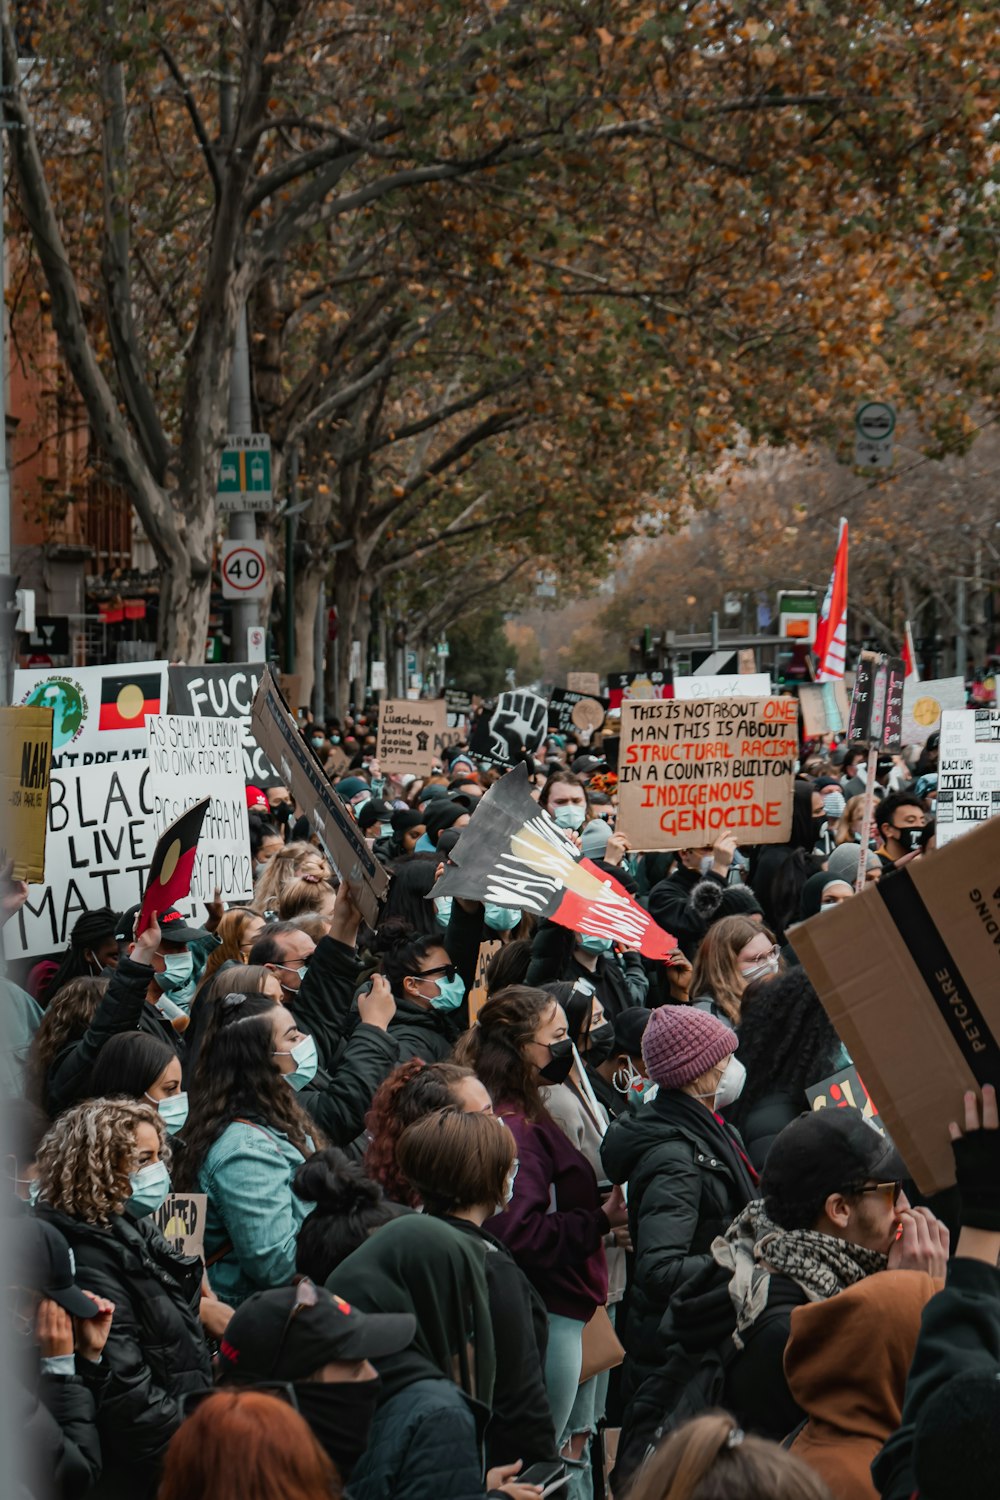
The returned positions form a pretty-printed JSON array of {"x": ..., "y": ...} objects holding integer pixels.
[{"x": 517, "y": 725}]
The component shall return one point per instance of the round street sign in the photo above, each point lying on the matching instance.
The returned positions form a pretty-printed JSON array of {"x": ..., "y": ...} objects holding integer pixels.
[
  {"x": 875, "y": 420},
  {"x": 244, "y": 571}
]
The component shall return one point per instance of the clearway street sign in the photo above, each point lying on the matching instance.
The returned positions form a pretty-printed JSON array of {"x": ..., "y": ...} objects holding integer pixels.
[
  {"x": 245, "y": 474},
  {"x": 874, "y": 424}
]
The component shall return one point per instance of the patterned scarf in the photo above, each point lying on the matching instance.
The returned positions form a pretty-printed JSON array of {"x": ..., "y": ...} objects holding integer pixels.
[{"x": 753, "y": 1249}]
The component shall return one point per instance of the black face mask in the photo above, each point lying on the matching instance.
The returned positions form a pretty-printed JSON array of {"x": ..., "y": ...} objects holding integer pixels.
[
  {"x": 560, "y": 1062},
  {"x": 602, "y": 1044},
  {"x": 908, "y": 838},
  {"x": 818, "y": 826},
  {"x": 340, "y": 1414}
]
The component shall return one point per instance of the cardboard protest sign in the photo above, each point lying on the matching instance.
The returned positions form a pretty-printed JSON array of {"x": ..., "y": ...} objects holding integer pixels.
[
  {"x": 343, "y": 842},
  {"x": 181, "y": 1221},
  {"x": 845, "y": 1090},
  {"x": 99, "y": 844},
  {"x": 876, "y": 717},
  {"x": 724, "y": 685},
  {"x": 515, "y": 727},
  {"x": 825, "y": 708},
  {"x": 172, "y": 867},
  {"x": 907, "y": 974},
  {"x": 626, "y": 686},
  {"x": 512, "y": 853},
  {"x": 408, "y": 735},
  {"x": 190, "y": 759},
  {"x": 25, "y": 766},
  {"x": 98, "y": 713},
  {"x": 587, "y": 684},
  {"x": 925, "y": 702},
  {"x": 688, "y": 771},
  {"x": 563, "y": 705},
  {"x": 968, "y": 771},
  {"x": 476, "y": 998},
  {"x": 225, "y": 692}
]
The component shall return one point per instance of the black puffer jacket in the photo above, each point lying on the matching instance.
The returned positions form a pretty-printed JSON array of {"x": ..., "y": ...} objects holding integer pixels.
[
  {"x": 57, "y": 1423},
  {"x": 156, "y": 1351},
  {"x": 686, "y": 1184}
]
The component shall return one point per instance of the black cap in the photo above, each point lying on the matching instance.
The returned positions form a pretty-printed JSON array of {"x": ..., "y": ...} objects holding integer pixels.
[
  {"x": 826, "y": 1151},
  {"x": 331, "y": 1329},
  {"x": 630, "y": 1025},
  {"x": 173, "y": 928},
  {"x": 584, "y": 765},
  {"x": 405, "y": 818},
  {"x": 374, "y": 811},
  {"x": 46, "y": 1264}
]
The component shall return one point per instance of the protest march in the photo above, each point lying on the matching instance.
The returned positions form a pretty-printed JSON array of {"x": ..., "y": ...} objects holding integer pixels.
[
  {"x": 540, "y": 1101},
  {"x": 499, "y": 750}
]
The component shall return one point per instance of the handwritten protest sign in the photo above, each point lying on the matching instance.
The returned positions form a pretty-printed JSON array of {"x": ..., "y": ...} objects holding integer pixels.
[
  {"x": 587, "y": 684},
  {"x": 689, "y": 771},
  {"x": 825, "y": 708},
  {"x": 968, "y": 771},
  {"x": 564, "y": 706},
  {"x": 25, "y": 766},
  {"x": 724, "y": 685},
  {"x": 925, "y": 702},
  {"x": 190, "y": 759},
  {"x": 225, "y": 692},
  {"x": 98, "y": 713},
  {"x": 876, "y": 718},
  {"x": 410, "y": 734},
  {"x": 181, "y": 1221},
  {"x": 845, "y": 1090},
  {"x": 343, "y": 842},
  {"x": 623, "y": 686},
  {"x": 98, "y": 847},
  {"x": 488, "y": 949}
]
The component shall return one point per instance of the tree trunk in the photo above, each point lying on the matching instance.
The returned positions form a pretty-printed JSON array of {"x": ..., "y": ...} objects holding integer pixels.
[
  {"x": 348, "y": 583},
  {"x": 186, "y": 586},
  {"x": 306, "y": 604}
]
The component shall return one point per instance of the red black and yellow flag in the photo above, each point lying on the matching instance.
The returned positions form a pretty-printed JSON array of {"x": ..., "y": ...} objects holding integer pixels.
[
  {"x": 128, "y": 698},
  {"x": 172, "y": 866}
]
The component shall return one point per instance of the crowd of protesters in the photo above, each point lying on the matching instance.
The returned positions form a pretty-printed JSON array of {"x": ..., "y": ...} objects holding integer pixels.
[{"x": 590, "y": 1239}]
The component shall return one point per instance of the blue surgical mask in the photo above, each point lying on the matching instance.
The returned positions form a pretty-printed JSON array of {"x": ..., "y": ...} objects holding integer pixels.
[
  {"x": 424, "y": 845},
  {"x": 442, "y": 909},
  {"x": 317, "y": 741},
  {"x": 450, "y": 994},
  {"x": 178, "y": 980},
  {"x": 591, "y": 944},
  {"x": 306, "y": 1059},
  {"x": 335, "y": 739},
  {"x": 173, "y": 1111},
  {"x": 150, "y": 1189},
  {"x": 570, "y": 815},
  {"x": 500, "y": 918}
]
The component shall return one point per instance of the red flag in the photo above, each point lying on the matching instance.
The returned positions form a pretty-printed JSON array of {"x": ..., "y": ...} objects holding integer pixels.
[
  {"x": 830, "y": 649},
  {"x": 911, "y": 672},
  {"x": 172, "y": 866}
]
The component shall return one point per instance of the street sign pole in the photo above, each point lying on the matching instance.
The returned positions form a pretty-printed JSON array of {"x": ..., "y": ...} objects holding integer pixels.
[{"x": 242, "y": 524}]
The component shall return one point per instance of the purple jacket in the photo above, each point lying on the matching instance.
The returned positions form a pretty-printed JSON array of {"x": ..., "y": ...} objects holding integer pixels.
[{"x": 554, "y": 1224}]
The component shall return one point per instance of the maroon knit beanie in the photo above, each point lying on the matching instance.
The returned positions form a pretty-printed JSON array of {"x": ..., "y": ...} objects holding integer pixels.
[{"x": 680, "y": 1043}]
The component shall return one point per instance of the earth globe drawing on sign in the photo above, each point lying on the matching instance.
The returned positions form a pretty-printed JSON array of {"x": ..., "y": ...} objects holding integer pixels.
[{"x": 69, "y": 707}]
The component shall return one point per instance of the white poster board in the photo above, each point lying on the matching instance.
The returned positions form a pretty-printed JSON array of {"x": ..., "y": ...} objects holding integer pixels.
[
  {"x": 98, "y": 713},
  {"x": 192, "y": 758},
  {"x": 925, "y": 702},
  {"x": 725, "y": 685},
  {"x": 968, "y": 771}
]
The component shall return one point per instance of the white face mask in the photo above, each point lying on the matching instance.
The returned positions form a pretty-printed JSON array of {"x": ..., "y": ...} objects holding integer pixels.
[
  {"x": 706, "y": 863},
  {"x": 731, "y": 1084},
  {"x": 570, "y": 815}
]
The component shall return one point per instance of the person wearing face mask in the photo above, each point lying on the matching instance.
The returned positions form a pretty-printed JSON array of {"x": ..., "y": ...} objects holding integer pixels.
[
  {"x": 670, "y": 899},
  {"x": 687, "y": 1172},
  {"x": 92, "y": 954},
  {"x": 324, "y": 1352},
  {"x": 557, "y": 1221},
  {"x": 427, "y": 988},
  {"x": 900, "y": 820},
  {"x": 463, "y": 1167},
  {"x": 620, "y": 1080},
  {"x": 564, "y": 798},
  {"x": 247, "y": 1134},
  {"x": 103, "y": 1171},
  {"x": 734, "y": 952},
  {"x": 176, "y": 967},
  {"x": 144, "y": 1068},
  {"x": 558, "y": 954}
]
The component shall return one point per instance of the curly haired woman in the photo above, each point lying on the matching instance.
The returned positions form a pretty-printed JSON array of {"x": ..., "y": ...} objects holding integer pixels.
[{"x": 102, "y": 1173}]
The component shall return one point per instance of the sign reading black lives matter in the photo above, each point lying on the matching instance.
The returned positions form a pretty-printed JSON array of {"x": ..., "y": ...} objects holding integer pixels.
[
  {"x": 278, "y": 734},
  {"x": 225, "y": 692},
  {"x": 692, "y": 769}
]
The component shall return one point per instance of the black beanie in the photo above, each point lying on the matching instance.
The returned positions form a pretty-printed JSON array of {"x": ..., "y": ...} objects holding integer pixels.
[{"x": 441, "y": 814}]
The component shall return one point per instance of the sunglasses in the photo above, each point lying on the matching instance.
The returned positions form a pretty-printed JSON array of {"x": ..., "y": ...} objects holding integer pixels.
[
  {"x": 447, "y": 971},
  {"x": 306, "y": 1295},
  {"x": 892, "y": 1189}
]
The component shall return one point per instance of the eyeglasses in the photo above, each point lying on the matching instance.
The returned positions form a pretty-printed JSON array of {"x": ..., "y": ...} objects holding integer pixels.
[
  {"x": 761, "y": 965},
  {"x": 306, "y": 1295},
  {"x": 893, "y": 1188},
  {"x": 446, "y": 971}
]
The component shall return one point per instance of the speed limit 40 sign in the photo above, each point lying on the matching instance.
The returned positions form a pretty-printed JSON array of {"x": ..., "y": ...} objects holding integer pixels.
[{"x": 244, "y": 571}]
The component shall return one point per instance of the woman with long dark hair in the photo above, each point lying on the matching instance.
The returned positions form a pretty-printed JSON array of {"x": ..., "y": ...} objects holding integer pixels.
[
  {"x": 347, "y": 1208},
  {"x": 65, "y": 1022},
  {"x": 556, "y": 1222},
  {"x": 412, "y": 879},
  {"x": 245, "y": 1140},
  {"x": 142, "y": 1067}
]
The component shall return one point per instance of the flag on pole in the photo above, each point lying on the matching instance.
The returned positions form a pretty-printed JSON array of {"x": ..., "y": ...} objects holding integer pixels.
[
  {"x": 911, "y": 672},
  {"x": 830, "y": 649}
]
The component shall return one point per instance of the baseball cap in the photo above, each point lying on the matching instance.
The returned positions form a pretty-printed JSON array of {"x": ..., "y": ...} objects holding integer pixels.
[
  {"x": 257, "y": 801},
  {"x": 173, "y": 928},
  {"x": 827, "y": 1151},
  {"x": 329, "y": 1329},
  {"x": 46, "y": 1264},
  {"x": 584, "y": 765}
]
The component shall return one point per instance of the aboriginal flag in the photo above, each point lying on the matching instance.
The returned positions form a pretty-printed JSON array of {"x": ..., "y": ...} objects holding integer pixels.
[
  {"x": 172, "y": 865},
  {"x": 514, "y": 854},
  {"x": 126, "y": 699}
]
